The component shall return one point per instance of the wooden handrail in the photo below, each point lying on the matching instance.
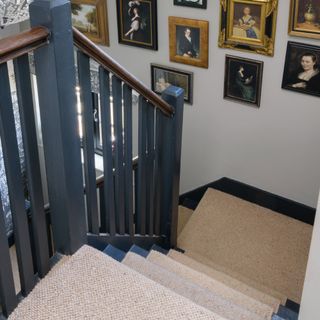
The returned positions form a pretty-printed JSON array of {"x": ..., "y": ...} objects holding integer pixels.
[
  {"x": 97, "y": 54},
  {"x": 22, "y": 43}
]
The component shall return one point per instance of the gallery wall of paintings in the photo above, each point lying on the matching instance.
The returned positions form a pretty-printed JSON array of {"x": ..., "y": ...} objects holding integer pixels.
[{"x": 242, "y": 54}]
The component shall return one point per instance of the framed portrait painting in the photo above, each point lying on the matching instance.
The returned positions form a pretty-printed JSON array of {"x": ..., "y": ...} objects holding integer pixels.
[
  {"x": 202, "y": 4},
  {"x": 304, "y": 20},
  {"x": 248, "y": 25},
  {"x": 163, "y": 77},
  {"x": 90, "y": 17},
  {"x": 243, "y": 80},
  {"x": 302, "y": 69},
  {"x": 137, "y": 23},
  {"x": 188, "y": 40}
]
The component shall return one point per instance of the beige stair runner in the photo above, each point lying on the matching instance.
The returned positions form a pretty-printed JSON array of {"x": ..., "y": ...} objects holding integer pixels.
[
  {"x": 268, "y": 247},
  {"x": 183, "y": 217},
  {"x": 227, "y": 280},
  {"x": 235, "y": 275},
  {"x": 211, "y": 284},
  {"x": 188, "y": 289},
  {"x": 91, "y": 285}
]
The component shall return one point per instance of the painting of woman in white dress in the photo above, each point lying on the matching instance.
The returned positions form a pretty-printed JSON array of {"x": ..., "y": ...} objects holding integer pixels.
[
  {"x": 137, "y": 23},
  {"x": 247, "y": 21}
]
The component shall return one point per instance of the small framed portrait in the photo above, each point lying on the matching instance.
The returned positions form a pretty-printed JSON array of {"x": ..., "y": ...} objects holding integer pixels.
[
  {"x": 90, "y": 17},
  {"x": 137, "y": 23},
  {"x": 188, "y": 40},
  {"x": 243, "y": 80},
  {"x": 248, "y": 25},
  {"x": 302, "y": 69},
  {"x": 304, "y": 20},
  {"x": 163, "y": 77},
  {"x": 202, "y": 4}
]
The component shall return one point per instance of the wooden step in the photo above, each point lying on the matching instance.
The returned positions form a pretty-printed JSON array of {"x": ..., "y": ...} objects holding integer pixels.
[
  {"x": 91, "y": 285},
  {"x": 211, "y": 284},
  {"x": 187, "y": 289},
  {"x": 227, "y": 280}
]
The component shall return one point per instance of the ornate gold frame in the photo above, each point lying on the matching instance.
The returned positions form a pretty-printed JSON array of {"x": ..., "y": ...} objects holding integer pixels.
[
  {"x": 202, "y": 61},
  {"x": 265, "y": 44},
  {"x": 293, "y": 30},
  {"x": 102, "y": 14}
]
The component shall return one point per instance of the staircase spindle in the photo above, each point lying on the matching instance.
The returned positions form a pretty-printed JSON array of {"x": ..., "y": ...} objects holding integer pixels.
[
  {"x": 8, "y": 299},
  {"x": 118, "y": 154},
  {"x": 15, "y": 184},
  {"x": 127, "y": 97},
  {"x": 104, "y": 80},
  {"x": 88, "y": 142},
  {"x": 31, "y": 153}
]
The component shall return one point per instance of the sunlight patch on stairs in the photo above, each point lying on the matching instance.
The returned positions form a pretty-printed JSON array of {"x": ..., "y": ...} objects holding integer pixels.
[{"x": 260, "y": 244}]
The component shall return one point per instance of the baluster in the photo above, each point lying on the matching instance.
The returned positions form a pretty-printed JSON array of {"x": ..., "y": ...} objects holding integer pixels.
[
  {"x": 119, "y": 155},
  {"x": 88, "y": 142},
  {"x": 150, "y": 169},
  {"x": 127, "y": 97},
  {"x": 104, "y": 80},
  {"x": 31, "y": 153},
  {"x": 158, "y": 169},
  {"x": 15, "y": 185},
  {"x": 8, "y": 299},
  {"x": 142, "y": 186}
]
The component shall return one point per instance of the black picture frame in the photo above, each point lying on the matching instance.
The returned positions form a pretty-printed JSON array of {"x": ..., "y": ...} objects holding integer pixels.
[
  {"x": 190, "y": 3},
  {"x": 298, "y": 75},
  {"x": 243, "y": 80},
  {"x": 146, "y": 36},
  {"x": 172, "y": 76}
]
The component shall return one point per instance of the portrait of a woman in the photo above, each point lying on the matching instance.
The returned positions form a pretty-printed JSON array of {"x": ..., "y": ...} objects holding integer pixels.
[
  {"x": 137, "y": 23},
  {"x": 302, "y": 70},
  {"x": 307, "y": 77},
  {"x": 246, "y": 26}
]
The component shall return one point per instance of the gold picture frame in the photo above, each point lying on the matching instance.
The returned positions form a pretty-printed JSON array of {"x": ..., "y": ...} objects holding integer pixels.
[
  {"x": 188, "y": 39},
  {"x": 304, "y": 19},
  {"x": 90, "y": 17},
  {"x": 248, "y": 25}
]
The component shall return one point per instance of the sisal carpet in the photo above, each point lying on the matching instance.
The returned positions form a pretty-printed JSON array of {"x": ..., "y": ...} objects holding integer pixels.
[
  {"x": 227, "y": 280},
  {"x": 199, "y": 295},
  {"x": 260, "y": 244},
  {"x": 212, "y": 285},
  {"x": 91, "y": 285},
  {"x": 183, "y": 217}
]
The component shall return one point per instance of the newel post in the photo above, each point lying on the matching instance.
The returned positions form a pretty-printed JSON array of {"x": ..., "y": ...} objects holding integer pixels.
[
  {"x": 55, "y": 71},
  {"x": 171, "y": 149}
]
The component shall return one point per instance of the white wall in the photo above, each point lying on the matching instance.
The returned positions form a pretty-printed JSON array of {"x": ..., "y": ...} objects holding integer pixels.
[
  {"x": 309, "y": 309},
  {"x": 275, "y": 147}
]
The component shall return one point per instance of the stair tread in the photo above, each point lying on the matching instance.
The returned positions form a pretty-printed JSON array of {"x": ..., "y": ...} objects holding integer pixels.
[
  {"x": 257, "y": 242},
  {"x": 138, "y": 250},
  {"x": 211, "y": 284},
  {"x": 287, "y": 314},
  {"x": 258, "y": 286},
  {"x": 114, "y": 253},
  {"x": 197, "y": 294},
  {"x": 183, "y": 218},
  {"x": 93, "y": 285},
  {"x": 227, "y": 280}
]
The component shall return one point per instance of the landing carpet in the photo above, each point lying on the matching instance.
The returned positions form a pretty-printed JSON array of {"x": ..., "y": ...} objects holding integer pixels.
[{"x": 258, "y": 243}]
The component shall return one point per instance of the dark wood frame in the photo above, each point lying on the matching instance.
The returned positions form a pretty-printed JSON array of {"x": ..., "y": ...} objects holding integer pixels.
[
  {"x": 259, "y": 65},
  {"x": 188, "y": 74},
  {"x": 307, "y": 48},
  {"x": 192, "y": 5},
  {"x": 102, "y": 16},
  {"x": 154, "y": 27},
  {"x": 292, "y": 30},
  {"x": 203, "y": 60}
]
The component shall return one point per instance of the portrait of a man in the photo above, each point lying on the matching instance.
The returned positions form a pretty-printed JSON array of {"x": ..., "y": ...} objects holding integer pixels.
[
  {"x": 302, "y": 69},
  {"x": 188, "y": 40}
]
